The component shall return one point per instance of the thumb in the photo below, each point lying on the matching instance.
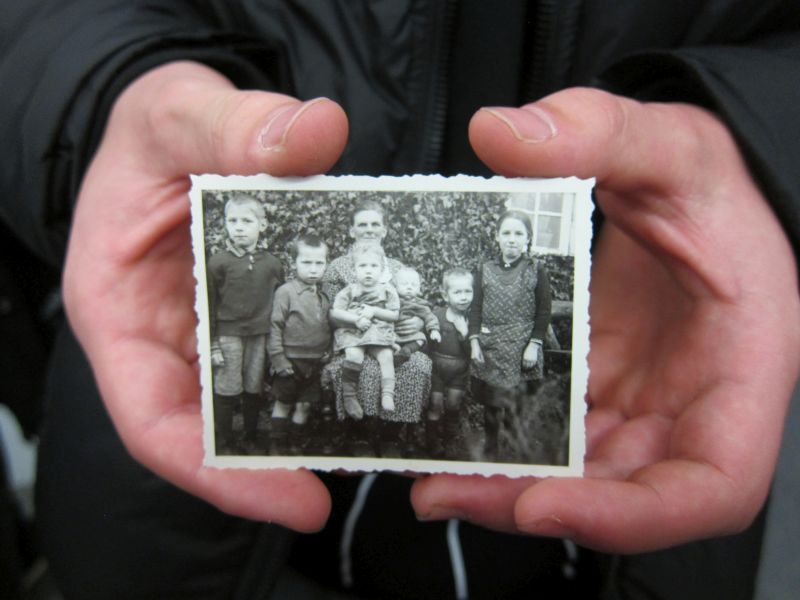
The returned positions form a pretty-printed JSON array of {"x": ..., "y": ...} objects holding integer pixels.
[
  {"x": 623, "y": 143},
  {"x": 657, "y": 179},
  {"x": 186, "y": 118}
]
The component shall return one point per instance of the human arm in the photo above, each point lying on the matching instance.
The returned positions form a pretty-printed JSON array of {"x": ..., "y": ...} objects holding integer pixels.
[
  {"x": 382, "y": 314},
  {"x": 347, "y": 317},
  {"x": 474, "y": 317},
  {"x": 212, "y": 286},
  {"x": 280, "y": 364},
  {"x": 432, "y": 325},
  {"x": 389, "y": 311},
  {"x": 128, "y": 284},
  {"x": 695, "y": 322},
  {"x": 534, "y": 350}
]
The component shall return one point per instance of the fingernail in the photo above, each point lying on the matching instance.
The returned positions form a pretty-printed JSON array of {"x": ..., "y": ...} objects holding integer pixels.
[
  {"x": 279, "y": 124},
  {"x": 530, "y": 124},
  {"x": 438, "y": 512},
  {"x": 550, "y": 526}
]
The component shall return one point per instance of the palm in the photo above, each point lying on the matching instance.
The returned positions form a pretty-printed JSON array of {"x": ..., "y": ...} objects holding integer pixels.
[
  {"x": 656, "y": 351},
  {"x": 129, "y": 291},
  {"x": 694, "y": 320}
]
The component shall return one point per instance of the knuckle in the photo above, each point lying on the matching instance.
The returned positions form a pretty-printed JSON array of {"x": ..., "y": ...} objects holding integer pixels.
[
  {"x": 614, "y": 116},
  {"x": 165, "y": 113}
]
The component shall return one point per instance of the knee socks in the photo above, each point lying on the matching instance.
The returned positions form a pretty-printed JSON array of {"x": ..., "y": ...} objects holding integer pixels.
[
  {"x": 351, "y": 371},
  {"x": 251, "y": 409},
  {"x": 387, "y": 393},
  {"x": 224, "y": 407}
]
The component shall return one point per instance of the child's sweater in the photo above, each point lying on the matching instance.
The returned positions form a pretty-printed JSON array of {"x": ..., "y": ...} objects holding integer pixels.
[{"x": 240, "y": 290}]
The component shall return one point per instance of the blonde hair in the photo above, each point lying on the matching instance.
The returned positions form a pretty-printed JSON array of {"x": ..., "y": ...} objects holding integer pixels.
[
  {"x": 453, "y": 273},
  {"x": 370, "y": 247},
  {"x": 246, "y": 200}
]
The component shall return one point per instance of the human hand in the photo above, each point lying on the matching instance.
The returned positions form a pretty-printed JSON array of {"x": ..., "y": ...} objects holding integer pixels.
[
  {"x": 128, "y": 283},
  {"x": 366, "y": 311},
  {"x": 409, "y": 325},
  {"x": 530, "y": 356},
  {"x": 217, "y": 358},
  {"x": 435, "y": 336},
  {"x": 287, "y": 372},
  {"x": 695, "y": 323},
  {"x": 477, "y": 352},
  {"x": 363, "y": 323}
]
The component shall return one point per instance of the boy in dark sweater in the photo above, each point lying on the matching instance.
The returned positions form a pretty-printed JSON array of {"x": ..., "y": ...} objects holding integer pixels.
[
  {"x": 241, "y": 281},
  {"x": 299, "y": 343},
  {"x": 451, "y": 358}
]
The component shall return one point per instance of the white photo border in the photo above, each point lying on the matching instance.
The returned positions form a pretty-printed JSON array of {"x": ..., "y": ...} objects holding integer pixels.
[{"x": 583, "y": 208}]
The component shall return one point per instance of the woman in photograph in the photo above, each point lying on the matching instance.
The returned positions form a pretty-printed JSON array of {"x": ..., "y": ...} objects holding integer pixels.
[
  {"x": 413, "y": 378},
  {"x": 508, "y": 322}
]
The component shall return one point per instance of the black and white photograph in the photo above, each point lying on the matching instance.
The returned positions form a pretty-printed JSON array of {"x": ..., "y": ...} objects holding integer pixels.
[{"x": 422, "y": 324}]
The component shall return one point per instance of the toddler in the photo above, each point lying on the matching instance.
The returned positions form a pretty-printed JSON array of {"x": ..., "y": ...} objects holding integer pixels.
[
  {"x": 451, "y": 360},
  {"x": 370, "y": 308},
  {"x": 408, "y": 285}
]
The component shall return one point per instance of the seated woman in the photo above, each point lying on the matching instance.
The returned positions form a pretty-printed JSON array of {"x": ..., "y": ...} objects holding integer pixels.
[{"x": 413, "y": 378}]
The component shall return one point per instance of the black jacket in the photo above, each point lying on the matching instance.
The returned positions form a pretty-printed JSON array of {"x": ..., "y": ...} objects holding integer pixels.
[
  {"x": 397, "y": 68},
  {"x": 63, "y": 63}
]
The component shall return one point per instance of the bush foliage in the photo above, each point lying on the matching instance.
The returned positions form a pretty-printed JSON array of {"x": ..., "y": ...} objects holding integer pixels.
[{"x": 430, "y": 231}]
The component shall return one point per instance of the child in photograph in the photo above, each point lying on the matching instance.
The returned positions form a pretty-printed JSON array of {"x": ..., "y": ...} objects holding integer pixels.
[
  {"x": 299, "y": 344},
  {"x": 451, "y": 358},
  {"x": 370, "y": 307},
  {"x": 241, "y": 281},
  {"x": 508, "y": 322},
  {"x": 409, "y": 287}
]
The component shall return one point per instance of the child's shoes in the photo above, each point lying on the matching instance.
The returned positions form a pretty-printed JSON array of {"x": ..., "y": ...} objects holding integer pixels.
[
  {"x": 387, "y": 402},
  {"x": 352, "y": 407}
]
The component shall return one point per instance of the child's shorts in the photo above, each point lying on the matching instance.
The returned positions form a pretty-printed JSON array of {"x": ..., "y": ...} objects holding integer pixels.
[
  {"x": 244, "y": 368},
  {"x": 303, "y": 386},
  {"x": 449, "y": 372}
]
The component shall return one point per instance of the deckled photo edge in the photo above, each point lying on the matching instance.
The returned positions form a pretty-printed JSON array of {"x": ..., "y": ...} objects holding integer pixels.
[{"x": 580, "y": 333}]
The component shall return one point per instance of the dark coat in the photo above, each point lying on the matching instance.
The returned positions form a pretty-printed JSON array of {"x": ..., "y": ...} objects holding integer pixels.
[
  {"x": 66, "y": 62},
  {"x": 62, "y": 64}
]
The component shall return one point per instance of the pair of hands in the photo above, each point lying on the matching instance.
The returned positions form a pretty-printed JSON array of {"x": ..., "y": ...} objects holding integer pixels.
[
  {"x": 365, "y": 315},
  {"x": 694, "y": 309}
]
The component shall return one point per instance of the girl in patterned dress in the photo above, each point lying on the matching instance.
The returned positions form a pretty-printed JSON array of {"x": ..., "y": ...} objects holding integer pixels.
[
  {"x": 370, "y": 307},
  {"x": 508, "y": 322}
]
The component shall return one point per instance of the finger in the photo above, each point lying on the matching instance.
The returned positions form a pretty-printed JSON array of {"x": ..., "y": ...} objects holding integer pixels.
[
  {"x": 589, "y": 133},
  {"x": 195, "y": 121},
  {"x": 665, "y": 504},
  {"x": 709, "y": 484},
  {"x": 486, "y": 501},
  {"x": 656, "y": 179},
  {"x": 161, "y": 424}
]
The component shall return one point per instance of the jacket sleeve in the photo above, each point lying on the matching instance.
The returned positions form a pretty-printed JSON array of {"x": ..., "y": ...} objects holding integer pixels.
[
  {"x": 753, "y": 87},
  {"x": 62, "y": 65}
]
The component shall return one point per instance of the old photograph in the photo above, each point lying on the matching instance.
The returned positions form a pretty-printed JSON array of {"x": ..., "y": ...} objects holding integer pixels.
[{"x": 416, "y": 324}]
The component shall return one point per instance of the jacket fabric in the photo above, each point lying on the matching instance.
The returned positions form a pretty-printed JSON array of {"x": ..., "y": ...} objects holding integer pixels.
[
  {"x": 386, "y": 62},
  {"x": 398, "y": 69}
]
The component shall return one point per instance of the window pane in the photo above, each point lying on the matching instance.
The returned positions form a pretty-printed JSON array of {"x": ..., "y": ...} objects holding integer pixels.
[
  {"x": 548, "y": 232},
  {"x": 552, "y": 202},
  {"x": 524, "y": 201}
]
